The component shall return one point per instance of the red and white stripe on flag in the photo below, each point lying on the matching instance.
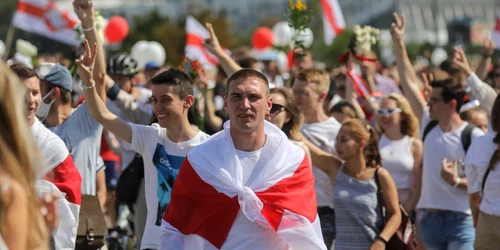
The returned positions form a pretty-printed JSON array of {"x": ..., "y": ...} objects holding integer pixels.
[
  {"x": 333, "y": 20},
  {"x": 359, "y": 84},
  {"x": 44, "y": 18},
  {"x": 495, "y": 35},
  {"x": 196, "y": 33}
]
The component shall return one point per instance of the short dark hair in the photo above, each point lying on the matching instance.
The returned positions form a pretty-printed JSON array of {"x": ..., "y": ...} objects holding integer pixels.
[
  {"x": 247, "y": 62},
  {"x": 24, "y": 72},
  {"x": 247, "y": 73},
  {"x": 451, "y": 89},
  {"x": 183, "y": 84}
]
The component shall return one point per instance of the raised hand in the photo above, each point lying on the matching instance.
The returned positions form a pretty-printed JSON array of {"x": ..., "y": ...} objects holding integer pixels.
[
  {"x": 460, "y": 60},
  {"x": 86, "y": 63},
  {"x": 427, "y": 79},
  {"x": 85, "y": 12},
  {"x": 489, "y": 48},
  {"x": 449, "y": 171},
  {"x": 398, "y": 28},
  {"x": 212, "y": 43}
]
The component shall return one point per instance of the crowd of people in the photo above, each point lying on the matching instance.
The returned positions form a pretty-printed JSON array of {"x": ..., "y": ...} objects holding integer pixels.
[{"x": 247, "y": 156}]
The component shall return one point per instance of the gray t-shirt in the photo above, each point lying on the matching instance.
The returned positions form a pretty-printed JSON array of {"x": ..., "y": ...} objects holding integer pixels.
[{"x": 82, "y": 136}]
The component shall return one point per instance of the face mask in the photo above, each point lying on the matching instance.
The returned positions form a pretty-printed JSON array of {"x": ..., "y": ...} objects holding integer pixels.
[{"x": 44, "y": 109}]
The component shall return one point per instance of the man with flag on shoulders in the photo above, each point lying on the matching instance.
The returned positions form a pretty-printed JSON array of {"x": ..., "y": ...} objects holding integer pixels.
[{"x": 248, "y": 187}]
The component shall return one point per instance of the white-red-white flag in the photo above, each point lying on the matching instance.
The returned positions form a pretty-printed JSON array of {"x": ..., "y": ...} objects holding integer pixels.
[
  {"x": 212, "y": 207},
  {"x": 196, "y": 33},
  {"x": 495, "y": 35},
  {"x": 333, "y": 20},
  {"x": 44, "y": 18}
]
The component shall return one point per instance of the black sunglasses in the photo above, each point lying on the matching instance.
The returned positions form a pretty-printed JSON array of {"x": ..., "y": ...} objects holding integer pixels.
[{"x": 276, "y": 108}]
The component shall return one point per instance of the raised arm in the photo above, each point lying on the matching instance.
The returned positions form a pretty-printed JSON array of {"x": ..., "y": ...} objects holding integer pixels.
[
  {"x": 97, "y": 108},
  {"x": 483, "y": 92},
  {"x": 405, "y": 68},
  {"x": 212, "y": 45},
  {"x": 85, "y": 12},
  {"x": 482, "y": 69}
]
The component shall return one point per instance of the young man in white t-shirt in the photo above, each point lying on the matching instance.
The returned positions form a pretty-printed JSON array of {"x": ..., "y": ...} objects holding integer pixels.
[
  {"x": 162, "y": 145},
  {"x": 310, "y": 90}
]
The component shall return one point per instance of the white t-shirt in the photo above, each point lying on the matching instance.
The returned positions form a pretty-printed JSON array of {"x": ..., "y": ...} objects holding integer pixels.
[
  {"x": 82, "y": 136},
  {"x": 436, "y": 192},
  {"x": 323, "y": 134},
  {"x": 476, "y": 163},
  {"x": 162, "y": 160}
]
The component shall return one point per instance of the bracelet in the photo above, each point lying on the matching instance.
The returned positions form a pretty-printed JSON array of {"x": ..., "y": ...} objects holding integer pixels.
[
  {"x": 113, "y": 92},
  {"x": 85, "y": 86},
  {"x": 89, "y": 29},
  {"x": 457, "y": 182},
  {"x": 381, "y": 239}
]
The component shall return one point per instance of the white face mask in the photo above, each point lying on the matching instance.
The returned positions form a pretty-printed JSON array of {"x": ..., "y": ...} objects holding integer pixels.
[{"x": 44, "y": 109}]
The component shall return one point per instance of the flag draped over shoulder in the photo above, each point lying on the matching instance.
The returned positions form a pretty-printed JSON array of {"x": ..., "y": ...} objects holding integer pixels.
[
  {"x": 44, "y": 18},
  {"x": 208, "y": 195},
  {"x": 61, "y": 175}
]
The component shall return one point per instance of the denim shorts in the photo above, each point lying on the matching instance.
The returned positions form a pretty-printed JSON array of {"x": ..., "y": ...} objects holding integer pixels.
[{"x": 446, "y": 230}]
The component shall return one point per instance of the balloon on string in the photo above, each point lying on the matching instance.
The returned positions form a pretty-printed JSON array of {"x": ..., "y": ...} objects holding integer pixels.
[
  {"x": 116, "y": 30},
  {"x": 282, "y": 34},
  {"x": 262, "y": 38},
  {"x": 282, "y": 61},
  {"x": 144, "y": 52},
  {"x": 306, "y": 36},
  {"x": 438, "y": 56}
]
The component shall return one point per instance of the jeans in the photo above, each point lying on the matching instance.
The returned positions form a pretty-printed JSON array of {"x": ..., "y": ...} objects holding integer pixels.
[
  {"x": 327, "y": 221},
  {"x": 446, "y": 230}
]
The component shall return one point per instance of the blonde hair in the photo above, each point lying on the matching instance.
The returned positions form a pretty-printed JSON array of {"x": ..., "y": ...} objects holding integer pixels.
[
  {"x": 409, "y": 123},
  {"x": 319, "y": 77},
  {"x": 18, "y": 154},
  {"x": 359, "y": 130}
]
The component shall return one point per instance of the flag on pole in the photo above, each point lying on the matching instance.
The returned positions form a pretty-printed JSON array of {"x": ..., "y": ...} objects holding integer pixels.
[
  {"x": 44, "y": 18},
  {"x": 333, "y": 20},
  {"x": 196, "y": 34},
  {"x": 359, "y": 84},
  {"x": 495, "y": 36}
]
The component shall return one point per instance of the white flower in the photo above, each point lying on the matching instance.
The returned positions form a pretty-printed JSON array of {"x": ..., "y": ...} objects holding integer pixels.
[{"x": 26, "y": 48}]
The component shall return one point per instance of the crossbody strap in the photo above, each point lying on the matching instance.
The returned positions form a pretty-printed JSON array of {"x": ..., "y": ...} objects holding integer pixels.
[{"x": 380, "y": 198}]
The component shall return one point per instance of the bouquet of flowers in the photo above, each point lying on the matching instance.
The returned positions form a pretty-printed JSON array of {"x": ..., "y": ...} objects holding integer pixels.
[
  {"x": 192, "y": 68},
  {"x": 299, "y": 19},
  {"x": 363, "y": 39}
]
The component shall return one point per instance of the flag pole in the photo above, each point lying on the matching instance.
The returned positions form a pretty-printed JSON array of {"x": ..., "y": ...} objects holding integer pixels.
[{"x": 8, "y": 41}]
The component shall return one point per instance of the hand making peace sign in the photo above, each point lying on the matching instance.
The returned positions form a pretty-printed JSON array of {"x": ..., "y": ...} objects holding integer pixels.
[{"x": 86, "y": 63}]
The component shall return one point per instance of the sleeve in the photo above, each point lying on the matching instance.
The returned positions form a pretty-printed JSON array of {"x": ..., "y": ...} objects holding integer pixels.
[
  {"x": 141, "y": 135},
  {"x": 171, "y": 238},
  {"x": 482, "y": 92},
  {"x": 86, "y": 123},
  {"x": 100, "y": 164},
  {"x": 471, "y": 171},
  {"x": 476, "y": 133},
  {"x": 131, "y": 110}
]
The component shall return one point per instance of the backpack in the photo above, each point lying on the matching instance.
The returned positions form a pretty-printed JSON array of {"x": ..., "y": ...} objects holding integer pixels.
[{"x": 466, "y": 135}]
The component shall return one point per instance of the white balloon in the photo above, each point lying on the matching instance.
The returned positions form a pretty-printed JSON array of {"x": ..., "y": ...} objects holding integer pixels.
[
  {"x": 2, "y": 48},
  {"x": 438, "y": 56},
  {"x": 306, "y": 36},
  {"x": 145, "y": 51},
  {"x": 282, "y": 34}
]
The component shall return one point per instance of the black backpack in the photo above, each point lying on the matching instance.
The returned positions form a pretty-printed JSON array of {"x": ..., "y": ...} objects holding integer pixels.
[{"x": 466, "y": 135}]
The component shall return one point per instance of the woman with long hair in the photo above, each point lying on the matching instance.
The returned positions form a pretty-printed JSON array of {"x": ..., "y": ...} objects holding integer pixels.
[
  {"x": 482, "y": 166},
  {"x": 286, "y": 116},
  {"x": 358, "y": 218},
  {"x": 22, "y": 225},
  {"x": 400, "y": 147}
]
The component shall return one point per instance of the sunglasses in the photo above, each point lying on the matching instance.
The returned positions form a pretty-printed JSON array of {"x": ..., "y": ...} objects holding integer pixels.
[
  {"x": 276, "y": 109},
  {"x": 388, "y": 112}
]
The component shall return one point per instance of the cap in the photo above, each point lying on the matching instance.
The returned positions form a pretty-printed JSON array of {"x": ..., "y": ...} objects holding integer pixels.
[
  {"x": 57, "y": 75},
  {"x": 152, "y": 65}
]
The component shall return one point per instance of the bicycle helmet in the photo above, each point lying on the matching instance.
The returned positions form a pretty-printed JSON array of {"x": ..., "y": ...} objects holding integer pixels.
[{"x": 122, "y": 64}]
